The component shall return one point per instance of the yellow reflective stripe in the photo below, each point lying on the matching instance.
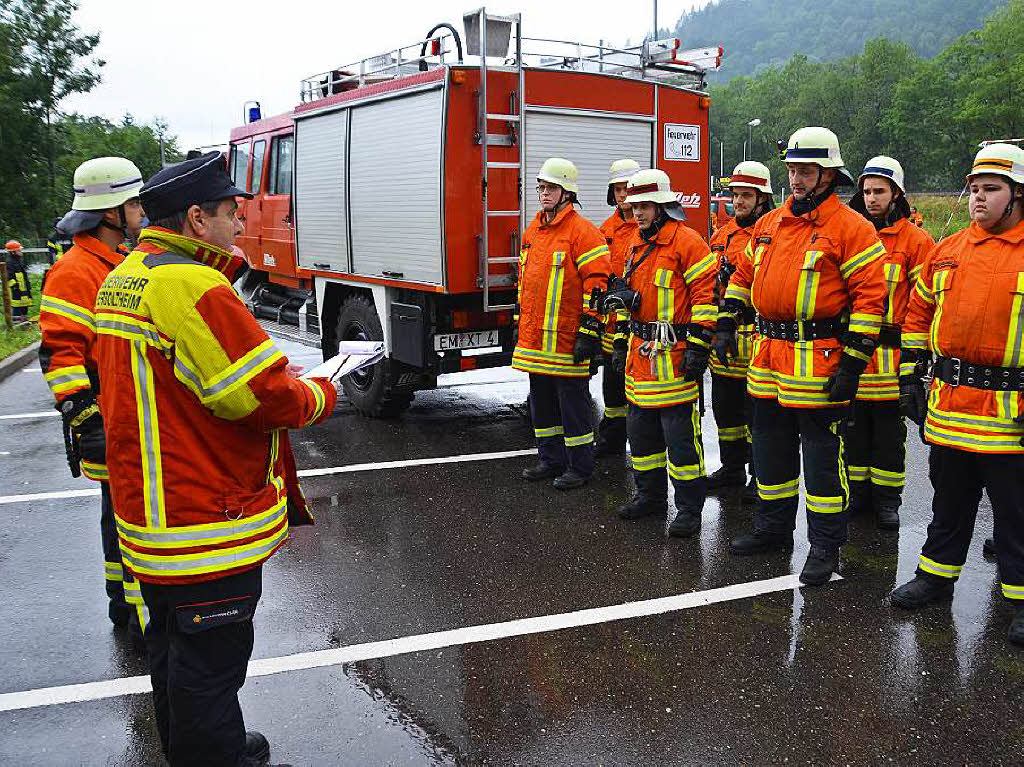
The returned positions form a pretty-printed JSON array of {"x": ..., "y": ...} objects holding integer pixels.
[
  {"x": 892, "y": 279},
  {"x": 740, "y": 294},
  {"x": 698, "y": 441},
  {"x": 859, "y": 473},
  {"x": 318, "y": 395},
  {"x": 556, "y": 281},
  {"x": 203, "y": 562},
  {"x": 781, "y": 490},
  {"x": 275, "y": 447},
  {"x": 65, "y": 379},
  {"x": 887, "y": 478},
  {"x": 591, "y": 255},
  {"x": 851, "y": 351},
  {"x": 865, "y": 257},
  {"x": 131, "y": 329},
  {"x": 649, "y": 462},
  {"x": 940, "y": 285},
  {"x": 550, "y": 431},
  {"x": 242, "y": 370},
  {"x": 1013, "y": 592},
  {"x": 732, "y": 433},
  {"x": 867, "y": 324},
  {"x": 924, "y": 292},
  {"x": 957, "y": 419},
  {"x": 703, "y": 312},
  {"x": 524, "y": 360},
  {"x": 1015, "y": 333},
  {"x": 978, "y": 443},
  {"x": 933, "y": 567},
  {"x": 112, "y": 571},
  {"x": 583, "y": 439},
  {"x": 685, "y": 473},
  {"x": 700, "y": 268},
  {"x": 807, "y": 286},
  {"x": 66, "y": 309},
  {"x": 211, "y": 534},
  {"x": 803, "y": 359},
  {"x": 149, "y": 437},
  {"x": 616, "y": 412},
  {"x": 95, "y": 471},
  {"x": 914, "y": 341},
  {"x": 825, "y": 504}
]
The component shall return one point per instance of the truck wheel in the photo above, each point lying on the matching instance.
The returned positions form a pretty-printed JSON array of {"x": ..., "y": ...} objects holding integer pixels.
[{"x": 369, "y": 390}]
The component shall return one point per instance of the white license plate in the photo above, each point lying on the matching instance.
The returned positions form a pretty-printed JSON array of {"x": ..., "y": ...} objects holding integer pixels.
[{"x": 474, "y": 339}]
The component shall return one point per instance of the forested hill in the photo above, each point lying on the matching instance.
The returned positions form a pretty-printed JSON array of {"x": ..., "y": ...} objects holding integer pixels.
[{"x": 760, "y": 33}]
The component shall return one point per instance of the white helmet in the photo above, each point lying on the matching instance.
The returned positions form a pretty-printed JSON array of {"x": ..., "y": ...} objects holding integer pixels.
[
  {"x": 884, "y": 167},
  {"x": 818, "y": 146},
  {"x": 621, "y": 170},
  {"x": 557, "y": 170},
  {"x": 654, "y": 186},
  {"x": 105, "y": 183},
  {"x": 999, "y": 159},
  {"x": 751, "y": 175}
]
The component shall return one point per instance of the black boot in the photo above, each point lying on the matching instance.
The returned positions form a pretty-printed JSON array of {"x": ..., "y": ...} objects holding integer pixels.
[
  {"x": 1016, "y": 631},
  {"x": 542, "y": 471},
  {"x": 257, "y": 751},
  {"x": 749, "y": 496},
  {"x": 921, "y": 591},
  {"x": 639, "y": 507},
  {"x": 887, "y": 517},
  {"x": 686, "y": 524},
  {"x": 819, "y": 566},
  {"x": 988, "y": 548},
  {"x": 571, "y": 480},
  {"x": 727, "y": 476},
  {"x": 760, "y": 542}
]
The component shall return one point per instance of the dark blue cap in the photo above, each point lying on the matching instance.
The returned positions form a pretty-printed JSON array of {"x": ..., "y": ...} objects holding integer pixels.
[{"x": 180, "y": 186}]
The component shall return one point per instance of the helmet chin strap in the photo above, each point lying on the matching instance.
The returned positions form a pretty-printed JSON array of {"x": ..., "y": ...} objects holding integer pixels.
[
  {"x": 812, "y": 201},
  {"x": 122, "y": 228}
]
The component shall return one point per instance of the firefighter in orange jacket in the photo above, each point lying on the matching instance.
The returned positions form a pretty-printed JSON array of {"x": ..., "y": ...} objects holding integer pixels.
[
  {"x": 967, "y": 309},
  {"x": 563, "y": 258},
  {"x": 619, "y": 230},
  {"x": 105, "y": 212},
  {"x": 197, "y": 402},
  {"x": 876, "y": 440},
  {"x": 814, "y": 277},
  {"x": 751, "y": 188},
  {"x": 17, "y": 281},
  {"x": 668, "y": 291}
]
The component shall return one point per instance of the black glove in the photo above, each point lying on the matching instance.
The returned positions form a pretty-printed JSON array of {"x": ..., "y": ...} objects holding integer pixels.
[
  {"x": 725, "y": 339},
  {"x": 83, "y": 430},
  {"x": 695, "y": 361},
  {"x": 842, "y": 385},
  {"x": 620, "y": 353},
  {"x": 1019, "y": 420},
  {"x": 913, "y": 398},
  {"x": 588, "y": 340}
]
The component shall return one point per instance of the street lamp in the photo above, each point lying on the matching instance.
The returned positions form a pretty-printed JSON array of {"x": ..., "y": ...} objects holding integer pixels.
[{"x": 750, "y": 126}]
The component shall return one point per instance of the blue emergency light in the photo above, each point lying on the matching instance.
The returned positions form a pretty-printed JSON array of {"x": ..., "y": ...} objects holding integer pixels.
[{"x": 254, "y": 113}]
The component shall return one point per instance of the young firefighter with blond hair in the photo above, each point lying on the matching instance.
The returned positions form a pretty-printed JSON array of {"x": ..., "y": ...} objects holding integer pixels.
[
  {"x": 564, "y": 257},
  {"x": 876, "y": 451},
  {"x": 619, "y": 230},
  {"x": 670, "y": 274},
  {"x": 967, "y": 310}
]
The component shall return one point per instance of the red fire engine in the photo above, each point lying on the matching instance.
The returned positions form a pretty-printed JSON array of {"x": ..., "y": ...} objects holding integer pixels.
[{"x": 389, "y": 203}]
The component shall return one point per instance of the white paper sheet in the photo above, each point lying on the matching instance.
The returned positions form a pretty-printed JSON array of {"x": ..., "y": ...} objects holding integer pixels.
[{"x": 352, "y": 356}]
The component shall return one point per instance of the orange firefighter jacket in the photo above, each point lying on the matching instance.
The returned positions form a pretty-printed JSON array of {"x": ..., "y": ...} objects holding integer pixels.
[
  {"x": 969, "y": 303},
  {"x": 676, "y": 286},
  {"x": 811, "y": 267},
  {"x": 197, "y": 403},
  {"x": 730, "y": 242},
  {"x": 68, "y": 325},
  {"x": 561, "y": 262},
  {"x": 906, "y": 247},
  {"x": 619, "y": 233}
]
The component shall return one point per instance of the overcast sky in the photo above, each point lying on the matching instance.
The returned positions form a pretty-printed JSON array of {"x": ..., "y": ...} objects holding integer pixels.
[{"x": 195, "y": 62}]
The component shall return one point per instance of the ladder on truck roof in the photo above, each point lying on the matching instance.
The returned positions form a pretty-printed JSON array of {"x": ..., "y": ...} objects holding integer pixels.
[{"x": 500, "y": 28}]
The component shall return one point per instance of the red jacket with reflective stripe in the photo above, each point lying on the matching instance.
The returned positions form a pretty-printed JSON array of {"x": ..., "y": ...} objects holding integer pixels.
[
  {"x": 906, "y": 247},
  {"x": 560, "y": 264},
  {"x": 969, "y": 303},
  {"x": 730, "y": 240},
  {"x": 197, "y": 404},
  {"x": 815, "y": 266},
  {"x": 619, "y": 233},
  {"x": 68, "y": 325}
]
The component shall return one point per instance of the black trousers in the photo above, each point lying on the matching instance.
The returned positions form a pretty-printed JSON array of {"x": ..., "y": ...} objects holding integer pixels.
[
  {"x": 124, "y": 595},
  {"x": 611, "y": 431},
  {"x": 876, "y": 454},
  {"x": 563, "y": 421},
  {"x": 669, "y": 438},
  {"x": 958, "y": 478},
  {"x": 781, "y": 434},
  {"x": 731, "y": 407},
  {"x": 199, "y": 640}
]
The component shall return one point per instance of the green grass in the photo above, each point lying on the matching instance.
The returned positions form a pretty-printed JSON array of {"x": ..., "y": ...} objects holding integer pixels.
[
  {"x": 936, "y": 209},
  {"x": 13, "y": 340}
]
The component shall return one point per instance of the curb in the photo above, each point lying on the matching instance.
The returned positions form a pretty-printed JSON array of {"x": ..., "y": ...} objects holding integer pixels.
[{"x": 18, "y": 360}]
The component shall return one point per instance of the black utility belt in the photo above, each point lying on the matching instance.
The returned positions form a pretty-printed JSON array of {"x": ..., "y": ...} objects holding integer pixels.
[
  {"x": 890, "y": 336},
  {"x": 801, "y": 330},
  {"x": 957, "y": 372},
  {"x": 648, "y": 331}
]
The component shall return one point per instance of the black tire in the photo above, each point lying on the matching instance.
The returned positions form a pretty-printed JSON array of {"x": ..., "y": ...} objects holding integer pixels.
[{"x": 370, "y": 391}]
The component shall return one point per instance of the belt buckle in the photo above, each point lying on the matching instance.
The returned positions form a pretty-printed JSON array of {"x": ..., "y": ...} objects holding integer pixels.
[{"x": 954, "y": 363}]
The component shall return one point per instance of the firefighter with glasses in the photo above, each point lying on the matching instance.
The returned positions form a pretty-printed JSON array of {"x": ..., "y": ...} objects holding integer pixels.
[
  {"x": 104, "y": 214},
  {"x": 564, "y": 257},
  {"x": 667, "y": 287},
  {"x": 619, "y": 230},
  {"x": 751, "y": 188},
  {"x": 813, "y": 274},
  {"x": 967, "y": 313},
  {"x": 876, "y": 440}
]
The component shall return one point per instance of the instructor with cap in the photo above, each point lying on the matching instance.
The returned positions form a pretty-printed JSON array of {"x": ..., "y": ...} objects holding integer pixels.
[{"x": 197, "y": 403}]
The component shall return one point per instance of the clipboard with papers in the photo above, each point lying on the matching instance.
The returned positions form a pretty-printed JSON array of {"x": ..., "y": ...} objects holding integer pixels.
[{"x": 351, "y": 356}]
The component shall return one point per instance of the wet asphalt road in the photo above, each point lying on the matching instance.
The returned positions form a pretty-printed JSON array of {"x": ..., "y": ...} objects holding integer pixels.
[{"x": 824, "y": 676}]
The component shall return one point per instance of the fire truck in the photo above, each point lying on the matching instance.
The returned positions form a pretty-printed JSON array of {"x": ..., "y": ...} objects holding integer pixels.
[{"x": 389, "y": 204}]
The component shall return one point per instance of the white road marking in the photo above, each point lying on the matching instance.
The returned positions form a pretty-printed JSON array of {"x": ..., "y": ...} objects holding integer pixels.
[
  {"x": 40, "y": 414},
  {"x": 133, "y": 685},
  {"x": 355, "y": 467}
]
